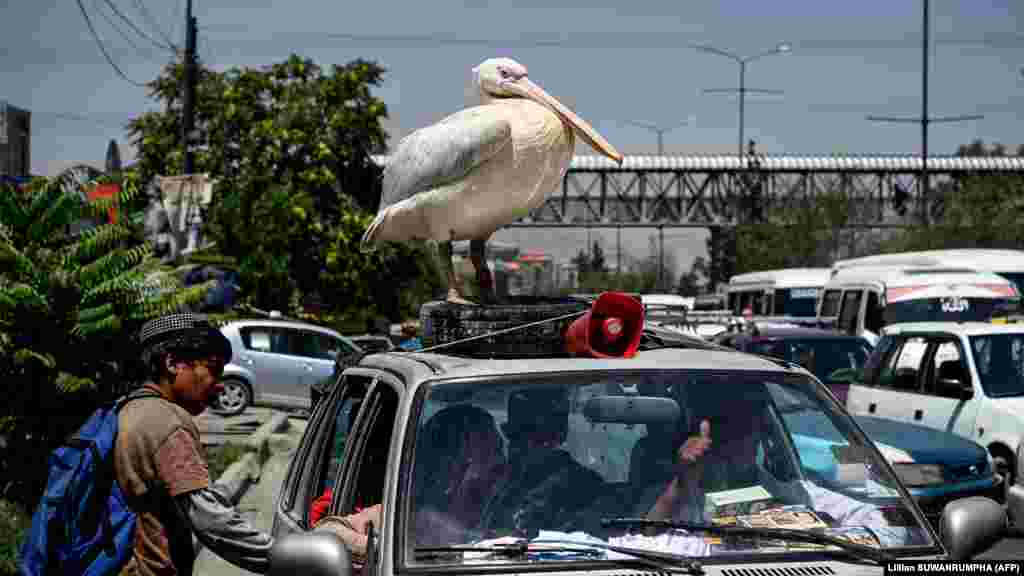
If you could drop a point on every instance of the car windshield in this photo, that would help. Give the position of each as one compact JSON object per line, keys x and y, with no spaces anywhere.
{"x":1000,"y":362}
{"x":824,"y":357}
{"x":799,"y":302}
{"x":552,"y":457}
{"x":949,"y":309}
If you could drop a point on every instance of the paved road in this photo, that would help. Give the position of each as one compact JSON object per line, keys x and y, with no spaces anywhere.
{"x":258,"y":502}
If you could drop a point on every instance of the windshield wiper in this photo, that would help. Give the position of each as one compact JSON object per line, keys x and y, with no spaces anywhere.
{"x":658,"y":560}
{"x":856,"y":551}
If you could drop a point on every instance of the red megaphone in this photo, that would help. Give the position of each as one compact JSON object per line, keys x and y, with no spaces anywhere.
{"x":610,"y":329}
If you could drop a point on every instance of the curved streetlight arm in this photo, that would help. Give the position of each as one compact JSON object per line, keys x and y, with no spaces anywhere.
{"x":784,"y":49}
{"x":713,"y":50}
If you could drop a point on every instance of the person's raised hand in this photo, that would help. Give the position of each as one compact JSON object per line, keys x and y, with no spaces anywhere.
{"x":696,"y":446}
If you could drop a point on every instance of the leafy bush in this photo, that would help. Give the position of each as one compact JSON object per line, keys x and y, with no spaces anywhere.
{"x":14,"y":523}
{"x":74,"y":287}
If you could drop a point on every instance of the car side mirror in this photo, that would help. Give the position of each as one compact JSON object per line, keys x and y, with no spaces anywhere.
{"x":968,"y":526}
{"x":962,"y":390}
{"x":310,"y":553}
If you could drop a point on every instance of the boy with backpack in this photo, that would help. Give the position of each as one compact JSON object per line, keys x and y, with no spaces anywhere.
{"x":126,"y":493}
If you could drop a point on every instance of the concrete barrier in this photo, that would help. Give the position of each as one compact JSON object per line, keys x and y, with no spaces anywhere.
{"x":246,"y":471}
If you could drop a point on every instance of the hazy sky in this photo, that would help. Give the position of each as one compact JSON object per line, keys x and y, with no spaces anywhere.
{"x":612,"y":61}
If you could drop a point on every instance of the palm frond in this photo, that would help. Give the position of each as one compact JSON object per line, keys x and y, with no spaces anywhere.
{"x":63,"y":211}
{"x":168,"y":303}
{"x":95,"y":313}
{"x":93,"y":240}
{"x":69,"y":383}
{"x":15,"y":262}
{"x":24,"y":355}
{"x":107,"y":268}
{"x":106,"y":324}
{"x":12,"y":214}
{"x":42,"y":199}
{"x":21,"y":295}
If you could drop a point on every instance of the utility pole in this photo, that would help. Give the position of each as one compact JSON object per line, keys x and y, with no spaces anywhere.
{"x":661,"y":257}
{"x":924,"y":120}
{"x":188,"y":100}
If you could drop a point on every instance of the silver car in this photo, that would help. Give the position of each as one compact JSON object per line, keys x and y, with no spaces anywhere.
{"x":275,"y":362}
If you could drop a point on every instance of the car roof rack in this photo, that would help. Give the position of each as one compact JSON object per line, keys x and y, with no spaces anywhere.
{"x":651,"y":339}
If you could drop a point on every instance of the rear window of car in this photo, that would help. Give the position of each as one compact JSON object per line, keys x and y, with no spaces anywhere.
{"x":822,"y":356}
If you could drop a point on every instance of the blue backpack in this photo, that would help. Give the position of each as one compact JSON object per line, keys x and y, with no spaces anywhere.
{"x":83,"y":524}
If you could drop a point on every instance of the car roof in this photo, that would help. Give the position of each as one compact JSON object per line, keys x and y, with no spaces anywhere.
{"x":894,"y":276}
{"x":781,"y":278}
{"x":281,"y":324}
{"x":420,"y":366}
{"x":800,"y":332}
{"x":962,"y":328}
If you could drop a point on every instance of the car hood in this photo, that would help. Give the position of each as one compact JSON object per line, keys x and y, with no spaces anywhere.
{"x":923,"y":445}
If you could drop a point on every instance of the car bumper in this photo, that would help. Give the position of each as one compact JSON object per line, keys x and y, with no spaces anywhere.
{"x":933,"y":500}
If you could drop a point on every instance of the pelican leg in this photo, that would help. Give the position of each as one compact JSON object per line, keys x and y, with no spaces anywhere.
{"x":477,"y":253}
{"x":450,"y":277}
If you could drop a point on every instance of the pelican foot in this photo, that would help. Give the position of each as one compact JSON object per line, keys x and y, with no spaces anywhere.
{"x":455,"y":298}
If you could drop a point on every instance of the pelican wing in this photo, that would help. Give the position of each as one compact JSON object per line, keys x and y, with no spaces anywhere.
{"x":444,"y":152}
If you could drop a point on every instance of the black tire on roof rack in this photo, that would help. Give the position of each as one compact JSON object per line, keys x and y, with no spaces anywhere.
{"x":443,"y":322}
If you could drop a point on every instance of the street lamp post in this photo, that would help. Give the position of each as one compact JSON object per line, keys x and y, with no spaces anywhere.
{"x":660,"y":131}
{"x":743,"y":61}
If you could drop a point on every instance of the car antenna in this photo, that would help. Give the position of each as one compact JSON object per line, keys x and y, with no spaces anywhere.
{"x":503,"y":331}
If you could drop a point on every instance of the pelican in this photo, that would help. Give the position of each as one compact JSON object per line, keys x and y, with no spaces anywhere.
{"x":480,"y":169}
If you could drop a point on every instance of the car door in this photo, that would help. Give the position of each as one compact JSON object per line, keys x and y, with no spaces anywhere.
{"x":267,"y":354}
{"x":895,"y":387}
{"x":944,"y":407}
{"x":321,"y":452}
{"x":318,"y":351}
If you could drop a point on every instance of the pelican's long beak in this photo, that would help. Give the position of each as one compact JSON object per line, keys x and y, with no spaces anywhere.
{"x":534,"y":92}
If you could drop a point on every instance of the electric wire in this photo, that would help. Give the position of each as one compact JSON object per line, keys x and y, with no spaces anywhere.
{"x":147,"y":54}
{"x":132,"y":25}
{"x":148,"y":17}
{"x":103,"y":49}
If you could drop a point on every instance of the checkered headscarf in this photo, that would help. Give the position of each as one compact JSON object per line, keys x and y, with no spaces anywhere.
{"x":183,"y":332}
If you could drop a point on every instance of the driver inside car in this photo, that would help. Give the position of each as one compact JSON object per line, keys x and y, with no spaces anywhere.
{"x":546,"y":488}
{"x":733,"y":447}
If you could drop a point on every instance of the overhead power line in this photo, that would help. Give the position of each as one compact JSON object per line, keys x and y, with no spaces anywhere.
{"x":138,"y":31}
{"x":81,"y":118}
{"x":103,"y":49}
{"x":607,"y":40}
{"x":148,"y":17}
{"x":145,"y":54}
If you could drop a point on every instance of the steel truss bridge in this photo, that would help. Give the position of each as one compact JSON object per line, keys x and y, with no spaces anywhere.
{"x":716,"y":191}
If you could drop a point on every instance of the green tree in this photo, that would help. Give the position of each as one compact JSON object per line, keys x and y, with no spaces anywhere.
{"x":973,"y":211}
{"x":71,"y":295}
{"x":290,"y":148}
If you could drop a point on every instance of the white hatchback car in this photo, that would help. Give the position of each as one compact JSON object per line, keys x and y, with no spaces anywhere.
{"x":276,"y":362}
{"x":967,"y":378}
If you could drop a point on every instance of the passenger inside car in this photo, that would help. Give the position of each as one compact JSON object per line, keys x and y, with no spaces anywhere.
{"x":736,"y":446}
{"x":461,"y":460}
{"x":546,"y":487}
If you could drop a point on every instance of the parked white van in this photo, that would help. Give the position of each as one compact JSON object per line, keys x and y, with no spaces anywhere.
{"x":861,"y":300}
{"x":966,"y":378}
{"x":1007,"y":263}
{"x":785,"y":292}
